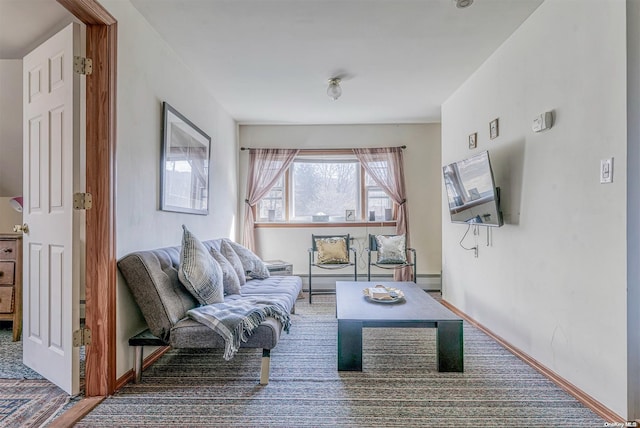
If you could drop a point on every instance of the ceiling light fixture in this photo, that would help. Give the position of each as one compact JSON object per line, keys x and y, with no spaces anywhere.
{"x":461,"y":4}
{"x":334,"y":90}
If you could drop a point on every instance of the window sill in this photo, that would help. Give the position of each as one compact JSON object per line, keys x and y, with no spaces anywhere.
{"x":276,"y":224}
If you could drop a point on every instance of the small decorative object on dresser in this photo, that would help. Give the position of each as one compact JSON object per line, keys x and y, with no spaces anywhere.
{"x":11,"y":281}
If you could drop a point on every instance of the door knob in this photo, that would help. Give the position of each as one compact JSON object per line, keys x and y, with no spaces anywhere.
{"x":21,"y":228}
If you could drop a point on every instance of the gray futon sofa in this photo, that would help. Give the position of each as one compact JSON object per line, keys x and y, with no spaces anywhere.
{"x":152,"y":277}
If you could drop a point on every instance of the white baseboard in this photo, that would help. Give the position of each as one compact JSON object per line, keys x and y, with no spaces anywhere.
{"x":428,"y":282}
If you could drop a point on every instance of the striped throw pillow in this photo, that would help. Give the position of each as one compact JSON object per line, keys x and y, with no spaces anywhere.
{"x":198,"y":271}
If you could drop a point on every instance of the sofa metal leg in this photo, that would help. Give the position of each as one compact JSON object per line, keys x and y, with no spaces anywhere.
{"x":137,"y":370}
{"x":264,"y":369}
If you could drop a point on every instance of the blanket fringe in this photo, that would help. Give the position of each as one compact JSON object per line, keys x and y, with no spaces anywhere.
{"x":247,"y":326}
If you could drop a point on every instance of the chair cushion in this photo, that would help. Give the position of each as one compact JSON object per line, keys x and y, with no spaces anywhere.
{"x":230,"y":280}
{"x":332,"y":250}
{"x":198,"y":270}
{"x":391,"y":249}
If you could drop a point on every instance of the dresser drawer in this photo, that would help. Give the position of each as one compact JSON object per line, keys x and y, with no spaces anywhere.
{"x":8,"y":250}
{"x":7,"y":270}
{"x":6,"y":300}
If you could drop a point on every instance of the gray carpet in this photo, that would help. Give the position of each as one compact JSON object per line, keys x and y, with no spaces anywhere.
{"x":398,"y":387}
{"x":11,"y":366}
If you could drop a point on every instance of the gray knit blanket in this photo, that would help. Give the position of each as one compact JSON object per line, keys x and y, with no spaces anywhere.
{"x":236,"y":320}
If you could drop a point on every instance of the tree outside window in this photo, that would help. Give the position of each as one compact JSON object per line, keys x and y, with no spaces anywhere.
{"x":327,"y":185}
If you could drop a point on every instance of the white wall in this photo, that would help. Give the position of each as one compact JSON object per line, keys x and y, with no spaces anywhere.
{"x":149,"y":72}
{"x":10,"y":127}
{"x":422,"y":172}
{"x":633,"y":207}
{"x":8,"y":216}
{"x":554,"y":282}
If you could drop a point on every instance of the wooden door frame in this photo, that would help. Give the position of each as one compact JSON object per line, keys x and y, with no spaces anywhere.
{"x":100,"y":277}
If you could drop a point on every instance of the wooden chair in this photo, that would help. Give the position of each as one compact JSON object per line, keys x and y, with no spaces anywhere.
{"x":316,"y":257}
{"x":409,"y":258}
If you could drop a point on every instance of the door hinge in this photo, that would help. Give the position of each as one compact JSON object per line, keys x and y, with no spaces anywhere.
{"x":82,"y":65}
{"x":81,"y":337}
{"x":82,"y":201}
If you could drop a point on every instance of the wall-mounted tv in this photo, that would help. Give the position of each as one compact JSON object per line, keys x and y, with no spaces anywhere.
{"x":471,"y":191}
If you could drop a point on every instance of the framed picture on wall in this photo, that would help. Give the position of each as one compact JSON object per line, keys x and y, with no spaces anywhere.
{"x":184,"y":165}
{"x":493,"y":129}
{"x":473,"y":140}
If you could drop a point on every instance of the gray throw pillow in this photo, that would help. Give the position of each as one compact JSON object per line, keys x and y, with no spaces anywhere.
{"x":198,"y":271}
{"x":391,"y":249}
{"x":252,"y":264}
{"x":236,"y":263}
{"x":229,"y":276}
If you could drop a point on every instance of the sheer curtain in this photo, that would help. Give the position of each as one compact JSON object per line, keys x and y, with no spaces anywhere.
{"x":386,"y":168}
{"x":266,"y":166}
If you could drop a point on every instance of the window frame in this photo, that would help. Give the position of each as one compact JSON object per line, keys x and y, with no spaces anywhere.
{"x":361,"y":211}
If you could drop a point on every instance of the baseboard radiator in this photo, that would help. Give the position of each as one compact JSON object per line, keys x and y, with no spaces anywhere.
{"x":327,"y":282}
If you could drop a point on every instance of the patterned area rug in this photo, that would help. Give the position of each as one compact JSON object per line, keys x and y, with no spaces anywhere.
{"x":26,"y":398}
{"x":11,"y":366}
{"x":29,"y":403}
{"x":399,"y":386}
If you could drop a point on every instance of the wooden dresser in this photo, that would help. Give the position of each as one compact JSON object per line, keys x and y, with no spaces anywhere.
{"x":11,"y":281}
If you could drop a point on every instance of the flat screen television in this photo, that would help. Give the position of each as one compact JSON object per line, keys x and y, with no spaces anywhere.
{"x":471,"y":192}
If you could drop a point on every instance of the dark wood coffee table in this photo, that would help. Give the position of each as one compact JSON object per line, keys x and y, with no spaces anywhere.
{"x":355,"y":312}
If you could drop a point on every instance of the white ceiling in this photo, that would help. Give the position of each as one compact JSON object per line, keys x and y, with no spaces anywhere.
{"x":269,"y":61}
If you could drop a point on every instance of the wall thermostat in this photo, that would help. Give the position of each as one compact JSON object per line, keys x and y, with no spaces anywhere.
{"x":542,"y":121}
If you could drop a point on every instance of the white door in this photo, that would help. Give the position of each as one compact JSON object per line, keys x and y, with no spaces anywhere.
{"x":51,"y":175}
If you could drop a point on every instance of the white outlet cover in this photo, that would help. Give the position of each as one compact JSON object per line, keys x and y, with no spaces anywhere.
{"x":606,"y":170}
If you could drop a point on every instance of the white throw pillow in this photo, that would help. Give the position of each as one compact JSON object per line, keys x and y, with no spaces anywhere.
{"x":391,"y":249}
{"x":198,"y":271}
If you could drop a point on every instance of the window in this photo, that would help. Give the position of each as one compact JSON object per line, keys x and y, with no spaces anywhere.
{"x":272,"y":206}
{"x":377,"y":200}
{"x":322,"y":188}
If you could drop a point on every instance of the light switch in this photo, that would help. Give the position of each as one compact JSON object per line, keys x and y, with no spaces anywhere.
{"x":606,"y":170}
{"x":542,"y":121}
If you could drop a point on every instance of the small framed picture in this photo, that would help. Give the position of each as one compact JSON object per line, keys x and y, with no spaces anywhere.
{"x":493,"y":129}
{"x":350,"y":215}
{"x":473,"y":140}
